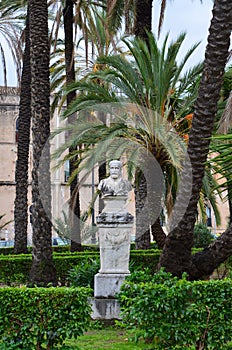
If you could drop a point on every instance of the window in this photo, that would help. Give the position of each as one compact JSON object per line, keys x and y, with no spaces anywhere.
{"x":209,"y":216}
{"x":16,"y":130}
{"x":66,"y":171}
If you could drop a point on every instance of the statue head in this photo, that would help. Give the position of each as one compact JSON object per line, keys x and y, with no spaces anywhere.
{"x":115,"y":169}
{"x":114,"y":185}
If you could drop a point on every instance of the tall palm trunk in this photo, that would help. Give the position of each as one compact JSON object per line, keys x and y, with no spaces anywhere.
{"x":229,"y":191}
{"x":70,"y":77}
{"x":42,"y":270}
{"x":158,"y":234}
{"x":176,"y":255}
{"x":21,"y":175}
{"x":148,"y":199}
{"x":143,"y":18}
{"x":142,"y":239}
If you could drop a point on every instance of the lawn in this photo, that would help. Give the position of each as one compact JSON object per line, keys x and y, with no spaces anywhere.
{"x":107,"y":338}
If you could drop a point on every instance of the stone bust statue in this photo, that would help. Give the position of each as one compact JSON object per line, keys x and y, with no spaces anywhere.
{"x":114,"y":185}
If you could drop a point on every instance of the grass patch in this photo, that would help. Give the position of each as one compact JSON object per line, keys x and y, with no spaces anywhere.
{"x":107,"y":338}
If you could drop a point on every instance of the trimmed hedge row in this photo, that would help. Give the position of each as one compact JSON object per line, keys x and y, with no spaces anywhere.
{"x":66,"y":248}
{"x":16,"y":268}
{"x":178,"y":314}
{"x":56,"y":249}
{"x":31,"y":318}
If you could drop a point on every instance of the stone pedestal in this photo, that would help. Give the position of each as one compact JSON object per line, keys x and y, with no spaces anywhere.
{"x":106,"y":285}
{"x":115,"y":225}
{"x":105,"y":309}
{"x":114,"y":241}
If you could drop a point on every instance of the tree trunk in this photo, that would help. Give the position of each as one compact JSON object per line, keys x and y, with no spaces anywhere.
{"x":143,"y":21}
{"x":142,"y":239}
{"x":143,"y":18}
{"x":204,"y":263}
{"x":70,"y":77}
{"x":158,"y":234}
{"x":176,"y":256}
{"x":21,"y":174}
{"x":101,"y":166}
{"x":42,"y":271}
{"x":229,"y":190}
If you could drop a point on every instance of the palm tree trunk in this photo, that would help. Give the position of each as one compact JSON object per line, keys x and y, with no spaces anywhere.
{"x":101,"y":167}
{"x":142,"y":239}
{"x":70,"y":77}
{"x":158,"y":234}
{"x":42,"y":270}
{"x":176,"y":255}
{"x":229,"y":191}
{"x":21,"y":175}
{"x":143,"y":18}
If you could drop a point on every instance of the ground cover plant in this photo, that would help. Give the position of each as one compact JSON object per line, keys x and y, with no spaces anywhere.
{"x":112,"y":337}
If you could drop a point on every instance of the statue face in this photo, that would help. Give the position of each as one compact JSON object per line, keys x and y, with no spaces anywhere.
{"x":115,"y":171}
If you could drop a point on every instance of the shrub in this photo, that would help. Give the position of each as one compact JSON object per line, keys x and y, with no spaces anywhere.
{"x":202,"y":236}
{"x":31,"y":318}
{"x":178,"y":314}
{"x":83,"y":274}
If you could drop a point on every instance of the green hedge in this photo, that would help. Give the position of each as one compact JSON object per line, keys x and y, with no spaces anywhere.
{"x":57,"y":249}
{"x":31,"y":318}
{"x":14,"y":269}
{"x":178,"y":314}
{"x":66,"y":248}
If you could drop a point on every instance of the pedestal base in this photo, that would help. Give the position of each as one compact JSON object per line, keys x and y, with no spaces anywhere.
{"x":108,"y":284}
{"x":105,"y":309}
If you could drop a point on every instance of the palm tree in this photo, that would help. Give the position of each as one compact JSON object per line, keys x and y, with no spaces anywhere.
{"x":21,"y":173}
{"x":152,"y":80}
{"x":15,"y":12}
{"x":100,"y":27}
{"x":42,"y":270}
{"x":70,"y":77}
{"x":176,"y":256}
{"x":69,"y":21}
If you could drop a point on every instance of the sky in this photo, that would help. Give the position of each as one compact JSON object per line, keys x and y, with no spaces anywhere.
{"x":190,"y":16}
{"x":181,"y":15}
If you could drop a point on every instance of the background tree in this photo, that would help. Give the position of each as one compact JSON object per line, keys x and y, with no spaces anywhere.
{"x":42,"y":270}
{"x":70,"y":78}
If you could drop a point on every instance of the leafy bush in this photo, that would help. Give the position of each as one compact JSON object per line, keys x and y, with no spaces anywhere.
{"x":31,"y":318}
{"x":83,"y":274}
{"x":15,"y":269}
{"x":202,"y":236}
{"x":178,"y":314}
